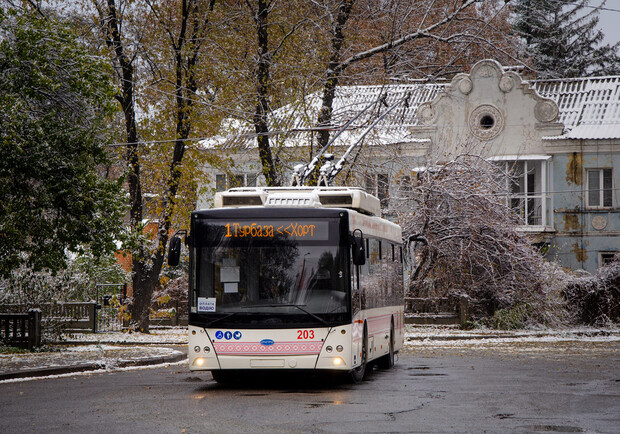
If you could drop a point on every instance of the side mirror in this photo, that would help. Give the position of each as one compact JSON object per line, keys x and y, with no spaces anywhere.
{"x":358,"y":248}
{"x":174,"y":251}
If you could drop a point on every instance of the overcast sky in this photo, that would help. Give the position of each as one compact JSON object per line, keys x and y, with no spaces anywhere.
{"x":609,"y":20}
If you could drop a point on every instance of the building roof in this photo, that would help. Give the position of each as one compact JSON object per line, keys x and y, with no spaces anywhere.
{"x":294,"y":123}
{"x":589,"y":107}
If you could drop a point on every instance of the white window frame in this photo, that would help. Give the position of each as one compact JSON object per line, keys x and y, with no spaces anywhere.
{"x":546,"y":200}
{"x":246,"y":178}
{"x":601,"y":188}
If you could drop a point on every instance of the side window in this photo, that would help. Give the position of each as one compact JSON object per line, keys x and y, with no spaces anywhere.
{"x":220,"y":182}
{"x":223,"y":182}
{"x":605,"y":258}
{"x":380,"y":279}
{"x":383,"y":189}
{"x":365,"y":281}
{"x":600,"y":188}
{"x":375,"y":255}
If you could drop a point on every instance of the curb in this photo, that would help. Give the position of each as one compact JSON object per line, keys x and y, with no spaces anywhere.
{"x":121,"y":343}
{"x":512,"y":336}
{"x":456,"y":337}
{"x":86,"y":367}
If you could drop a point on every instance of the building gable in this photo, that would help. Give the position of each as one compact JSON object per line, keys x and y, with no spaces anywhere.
{"x":491,"y":108}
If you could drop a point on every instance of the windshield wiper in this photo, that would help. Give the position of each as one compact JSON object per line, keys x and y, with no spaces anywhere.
{"x":221,"y":319}
{"x":318,"y":318}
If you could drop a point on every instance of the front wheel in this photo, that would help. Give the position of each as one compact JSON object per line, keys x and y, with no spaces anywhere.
{"x":223,"y":377}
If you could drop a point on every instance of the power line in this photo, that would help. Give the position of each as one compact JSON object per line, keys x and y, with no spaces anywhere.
{"x":233,"y":136}
{"x":602,"y":8}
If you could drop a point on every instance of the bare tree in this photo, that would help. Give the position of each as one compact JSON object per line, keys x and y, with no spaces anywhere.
{"x":362,"y":42}
{"x":430,"y":27}
{"x":313,"y":46}
{"x":268,"y":66}
{"x":184,"y":24}
{"x":465,"y":238}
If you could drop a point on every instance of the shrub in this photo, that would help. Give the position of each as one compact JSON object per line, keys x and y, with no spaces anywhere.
{"x":595,"y":300}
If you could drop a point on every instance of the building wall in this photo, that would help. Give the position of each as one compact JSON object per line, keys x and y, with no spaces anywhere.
{"x":457,"y":119}
{"x":522,"y":122}
{"x":584,"y":233}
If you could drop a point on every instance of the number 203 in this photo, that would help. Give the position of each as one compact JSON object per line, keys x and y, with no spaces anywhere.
{"x":305,"y":334}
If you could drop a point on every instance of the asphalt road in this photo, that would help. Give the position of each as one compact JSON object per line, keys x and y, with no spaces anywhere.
{"x":438,"y":390}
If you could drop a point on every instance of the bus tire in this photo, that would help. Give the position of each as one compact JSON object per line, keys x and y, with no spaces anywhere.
{"x":223,"y":377}
{"x":387,"y":361}
{"x":358,"y":374}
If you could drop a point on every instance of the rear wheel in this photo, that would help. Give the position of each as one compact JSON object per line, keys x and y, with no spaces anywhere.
{"x":357,"y":374}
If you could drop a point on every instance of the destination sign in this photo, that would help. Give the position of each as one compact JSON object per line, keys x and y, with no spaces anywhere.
{"x":292,"y":229}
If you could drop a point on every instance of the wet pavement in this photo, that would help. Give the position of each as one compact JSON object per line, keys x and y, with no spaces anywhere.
{"x":112,"y":351}
{"x":432,"y":389}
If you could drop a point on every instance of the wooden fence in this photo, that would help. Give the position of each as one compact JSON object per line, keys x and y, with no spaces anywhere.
{"x":69,"y":316}
{"x":74,"y":316}
{"x":21,"y":330}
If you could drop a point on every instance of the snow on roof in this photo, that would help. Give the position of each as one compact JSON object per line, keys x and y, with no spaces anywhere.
{"x":294,"y":123}
{"x":589,"y":107}
{"x":350,"y":100}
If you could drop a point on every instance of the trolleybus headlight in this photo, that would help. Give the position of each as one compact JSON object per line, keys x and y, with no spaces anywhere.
{"x":207,"y":349}
{"x":200,"y":361}
{"x":197,"y":348}
{"x":329,"y":349}
{"x":338,"y":361}
{"x":339,"y":348}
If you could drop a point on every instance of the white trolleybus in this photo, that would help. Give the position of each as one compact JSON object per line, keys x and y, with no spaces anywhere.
{"x":297,"y":278}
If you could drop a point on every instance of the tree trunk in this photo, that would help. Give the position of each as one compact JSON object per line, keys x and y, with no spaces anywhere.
{"x":141,"y":280}
{"x":126,"y":99}
{"x":261,"y":125}
{"x":147,"y":262}
{"x":333,"y":72}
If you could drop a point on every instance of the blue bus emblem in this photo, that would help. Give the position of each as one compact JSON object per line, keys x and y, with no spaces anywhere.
{"x":267,"y":342}
{"x":228,"y":335}
{"x":237,"y":335}
{"x":219,"y":334}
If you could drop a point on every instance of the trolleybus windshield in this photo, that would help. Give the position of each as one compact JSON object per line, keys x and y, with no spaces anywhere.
{"x":270,"y":272}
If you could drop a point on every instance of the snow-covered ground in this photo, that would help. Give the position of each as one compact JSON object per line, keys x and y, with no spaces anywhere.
{"x":110,"y":351}
{"x":421,"y":333}
{"x":170,"y":336}
{"x":554,"y":344}
{"x":414,"y":335}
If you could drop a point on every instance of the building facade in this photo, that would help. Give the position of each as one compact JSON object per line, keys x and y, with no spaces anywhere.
{"x":559,"y":138}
